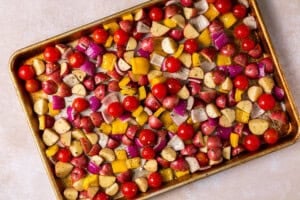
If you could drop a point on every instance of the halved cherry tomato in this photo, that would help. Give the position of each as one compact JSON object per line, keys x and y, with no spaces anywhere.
{"x":185,"y":131}
{"x":241,"y":82}
{"x":80,"y":104}
{"x":100,"y":36}
{"x":173,"y":85}
{"x":147,"y":137}
{"x":76,"y":59}
{"x":148,"y":153}
{"x":172,"y":64}
{"x":156,"y":14}
{"x":26,"y":72}
{"x":130,"y":103}
{"x":115,"y":109}
{"x":251,"y":142}
{"x":129,"y":189}
{"x":266,"y":102}
{"x":155,"y":180}
{"x":271,"y":136}
{"x":159,"y":90}
{"x":64,"y":155}
{"x":121,"y":37}
{"x":32,"y":85}
{"x":51,"y":54}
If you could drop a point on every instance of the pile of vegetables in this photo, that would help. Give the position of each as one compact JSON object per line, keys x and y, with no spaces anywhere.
{"x":153,"y":96}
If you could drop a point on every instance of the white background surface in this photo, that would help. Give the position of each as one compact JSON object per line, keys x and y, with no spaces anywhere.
{"x":22,"y":176}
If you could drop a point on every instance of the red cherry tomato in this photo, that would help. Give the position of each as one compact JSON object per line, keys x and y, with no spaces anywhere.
{"x":130,"y":103}
{"x":156,"y":14}
{"x":251,"y":142}
{"x":173,"y":85}
{"x":76,"y":59}
{"x":241,"y":31}
{"x":248,"y":44}
{"x":26,"y":72}
{"x":239,"y":11}
{"x":159,"y":90}
{"x":129,"y":189}
{"x":271,"y":136}
{"x":191,"y":46}
{"x":155,"y":180}
{"x":64,"y":155}
{"x":172,"y":64}
{"x":147,"y":137}
{"x":148,"y":153}
{"x":101,"y":196}
{"x":223,"y":6}
{"x":121,"y":37}
{"x":80,"y":104}
{"x":100,"y":36}
{"x":115,"y":109}
{"x":185,"y":131}
{"x":51,"y":54}
{"x":241,"y":82}
{"x":266,"y":102}
{"x":32,"y":85}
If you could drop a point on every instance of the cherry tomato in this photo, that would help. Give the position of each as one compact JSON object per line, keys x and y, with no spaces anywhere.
{"x":26,"y":72}
{"x":148,"y":153}
{"x":159,"y":90}
{"x":129,"y":189}
{"x":241,"y":31}
{"x":115,"y":109}
{"x":223,"y":6}
{"x":121,"y":37}
{"x":271,"y":136}
{"x":76,"y":59}
{"x":251,"y":142}
{"x":266,"y":102}
{"x":185,"y":131}
{"x":191,"y":46}
{"x":64,"y":155}
{"x":51,"y":54}
{"x":155,"y":180}
{"x":32,"y":85}
{"x":156,"y":14}
{"x":130,"y":103}
{"x":241,"y":82}
{"x":100,"y":36}
{"x":147,"y":137}
{"x":173,"y":85}
{"x":172,"y":64}
{"x":101,"y":196}
{"x":239,"y":11}
{"x":80,"y":104}
{"x":248,"y":44}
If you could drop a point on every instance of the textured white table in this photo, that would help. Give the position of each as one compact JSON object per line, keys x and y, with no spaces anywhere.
{"x":22,"y":175}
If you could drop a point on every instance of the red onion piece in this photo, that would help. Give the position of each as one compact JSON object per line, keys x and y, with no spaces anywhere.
{"x":58,"y":102}
{"x":278,"y":93}
{"x":70,"y":114}
{"x":94,"y":103}
{"x":261,"y":70}
{"x":93,"y":168}
{"x":221,"y":41}
{"x":138,"y":143}
{"x":143,"y":53}
{"x":234,"y":70}
{"x":223,"y":132}
{"x":88,"y":67}
{"x":133,"y":151}
{"x":94,"y":50}
{"x":83,"y":44}
{"x":161,"y":144}
{"x":212,"y":121}
{"x":180,"y":108}
{"x":117,"y":137}
{"x":125,"y":116}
